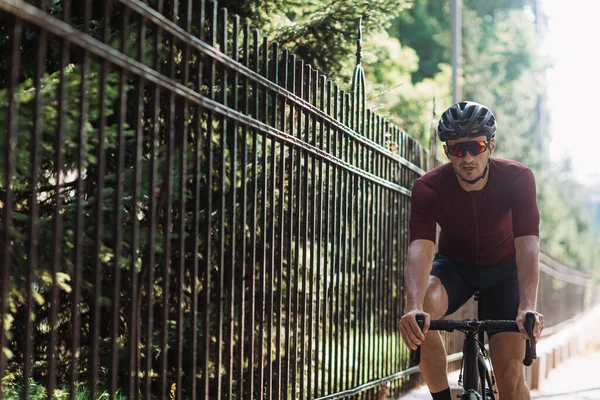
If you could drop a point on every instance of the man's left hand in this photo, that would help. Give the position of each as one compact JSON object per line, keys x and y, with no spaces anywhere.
{"x":537,"y":326}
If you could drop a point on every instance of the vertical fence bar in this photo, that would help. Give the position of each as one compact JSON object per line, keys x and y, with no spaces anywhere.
{"x":281,"y":114}
{"x":298,"y":91}
{"x":189,"y":124}
{"x":343,"y":151}
{"x":328,"y":298}
{"x":362,"y":206}
{"x":366,"y":254}
{"x":342,"y":243}
{"x":153,"y":220}
{"x":347,"y":242}
{"x":385,"y":257}
{"x":364,"y":377}
{"x":116,"y":293}
{"x":79,"y":239}
{"x":33,"y":242}
{"x":384,"y":264}
{"x":244,"y":218}
{"x":376,"y":265}
{"x":254,"y":240}
{"x":321,"y":253}
{"x":183,"y":133}
{"x":405,"y":206}
{"x":208,"y":223}
{"x":196,"y":227}
{"x":137,"y":182}
{"x":232,"y":138}
{"x":10,"y":142}
{"x":100,"y":183}
{"x":267,"y":232}
{"x":397,"y":235}
{"x":355,"y":250}
{"x":335,"y":291}
{"x":372,"y":346}
{"x":381,"y":258}
{"x":314,"y":297}
{"x":377,"y":261}
{"x":173,"y":218}
{"x":222,"y":193}
{"x":392,"y":239}
{"x":261,"y":115}
{"x":305,"y":84}
{"x":273,"y":228}
{"x":347,"y":229}
{"x":290,"y":81}
{"x":354,"y":257}
{"x":335,"y":304}
{"x":389,"y":275}
{"x":167,"y":222}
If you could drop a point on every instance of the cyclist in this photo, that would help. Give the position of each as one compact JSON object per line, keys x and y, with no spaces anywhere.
{"x":489,"y":240}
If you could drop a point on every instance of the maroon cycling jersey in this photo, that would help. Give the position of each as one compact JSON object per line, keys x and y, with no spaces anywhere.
{"x":477,"y":227}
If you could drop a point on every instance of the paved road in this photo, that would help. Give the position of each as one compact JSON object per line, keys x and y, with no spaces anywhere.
{"x":578,"y":378}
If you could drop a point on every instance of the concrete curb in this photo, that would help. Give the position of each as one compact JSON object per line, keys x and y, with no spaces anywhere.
{"x":570,"y":341}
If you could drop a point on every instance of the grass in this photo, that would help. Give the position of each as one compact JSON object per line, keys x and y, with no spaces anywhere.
{"x":13,"y":390}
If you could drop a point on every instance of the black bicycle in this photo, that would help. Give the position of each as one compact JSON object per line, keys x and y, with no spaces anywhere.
{"x":478,"y":380}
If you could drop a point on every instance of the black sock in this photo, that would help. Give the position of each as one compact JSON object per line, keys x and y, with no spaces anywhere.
{"x":443,"y":395}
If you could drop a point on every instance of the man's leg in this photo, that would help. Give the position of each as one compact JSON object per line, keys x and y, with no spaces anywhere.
{"x":507,"y":350}
{"x":433,"y":354}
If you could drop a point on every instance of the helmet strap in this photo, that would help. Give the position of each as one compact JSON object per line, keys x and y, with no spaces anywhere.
{"x":474,"y":181}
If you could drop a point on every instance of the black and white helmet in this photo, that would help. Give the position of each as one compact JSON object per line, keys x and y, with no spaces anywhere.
{"x":466,"y":119}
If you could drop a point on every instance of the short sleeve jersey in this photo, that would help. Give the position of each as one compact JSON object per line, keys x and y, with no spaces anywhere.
{"x":477,"y":227}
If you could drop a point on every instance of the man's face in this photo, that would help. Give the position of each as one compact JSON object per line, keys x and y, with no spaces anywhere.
{"x":470,"y":167}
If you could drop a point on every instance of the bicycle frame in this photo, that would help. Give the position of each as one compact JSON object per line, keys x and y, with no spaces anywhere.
{"x":476,"y":376}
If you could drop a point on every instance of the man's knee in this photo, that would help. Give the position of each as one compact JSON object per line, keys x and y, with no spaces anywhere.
{"x":509,"y":370}
{"x":507,"y":352}
{"x":510,"y":379}
{"x":436,"y":298}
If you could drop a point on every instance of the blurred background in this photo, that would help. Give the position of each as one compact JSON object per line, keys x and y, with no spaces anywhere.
{"x":530,"y":61}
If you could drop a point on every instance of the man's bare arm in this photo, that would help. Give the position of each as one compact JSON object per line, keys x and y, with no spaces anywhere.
{"x":527,"y":253}
{"x":416,"y":277}
{"x":416,"y":273}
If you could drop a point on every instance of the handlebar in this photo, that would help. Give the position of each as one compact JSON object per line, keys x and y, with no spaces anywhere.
{"x":415,"y":355}
{"x":473,"y":326}
{"x":530,"y":348}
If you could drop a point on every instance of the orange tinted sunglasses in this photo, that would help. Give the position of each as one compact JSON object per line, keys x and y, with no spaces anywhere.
{"x":460,"y":149}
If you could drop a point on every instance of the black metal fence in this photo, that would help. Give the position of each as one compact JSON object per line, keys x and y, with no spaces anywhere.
{"x":189,"y":211}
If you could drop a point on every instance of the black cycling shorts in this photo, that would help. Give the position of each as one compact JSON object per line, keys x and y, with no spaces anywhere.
{"x":498,"y":284}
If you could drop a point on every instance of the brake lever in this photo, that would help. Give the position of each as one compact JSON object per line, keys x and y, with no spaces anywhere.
{"x":415,"y":355}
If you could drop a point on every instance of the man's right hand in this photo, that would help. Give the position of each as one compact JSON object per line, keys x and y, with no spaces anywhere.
{"x":412,"y":335}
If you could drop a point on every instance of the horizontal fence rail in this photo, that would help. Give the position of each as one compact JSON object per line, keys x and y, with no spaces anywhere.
{"x":189,"y":211}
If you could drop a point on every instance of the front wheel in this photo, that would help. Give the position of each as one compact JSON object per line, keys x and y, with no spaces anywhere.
{"x":485,"y":379}
{"x":471,"y":375}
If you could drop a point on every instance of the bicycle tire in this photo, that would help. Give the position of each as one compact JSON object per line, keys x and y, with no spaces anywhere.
{"x":485,"y":379}
{"x":471,"y":377}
